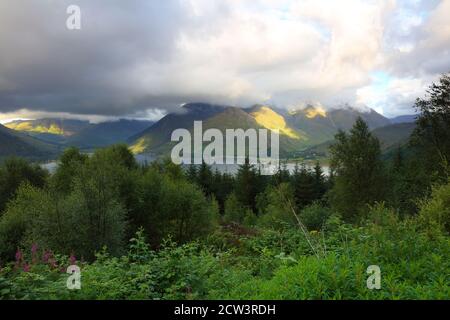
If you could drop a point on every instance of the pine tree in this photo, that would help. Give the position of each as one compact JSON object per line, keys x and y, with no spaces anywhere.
{"x":319,"y":182}
{"x":304,"y":186}
{"x":191,"y":173}
{"x":205,"y":179}
{"x":360,"y":180}
{"x":247,"y":185}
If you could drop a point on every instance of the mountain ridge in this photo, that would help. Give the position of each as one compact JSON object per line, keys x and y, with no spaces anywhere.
{"x":13,"y":143}
{"x":298,"y":130}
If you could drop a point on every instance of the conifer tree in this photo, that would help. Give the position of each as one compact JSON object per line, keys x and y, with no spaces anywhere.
{"x":360,"y":180}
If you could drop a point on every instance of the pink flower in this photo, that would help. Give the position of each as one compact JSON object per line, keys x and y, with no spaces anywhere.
{"x":72,"y":259}
{"x":19,"y":258}
{"x":19,"y":255}
{"x":34,"y":249}
{"x":26,"y":267}
{"x":47,"y":256}
{"x":49,"y":259}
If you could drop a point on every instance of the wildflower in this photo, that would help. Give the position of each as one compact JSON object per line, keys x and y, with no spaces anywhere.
{"x":26,"y":267}
{"x":49,"y":259}
{"x":19,"y":258}
{"x":46,"y":257}
{"x":34,"y":249}
{"x":72,"y":259}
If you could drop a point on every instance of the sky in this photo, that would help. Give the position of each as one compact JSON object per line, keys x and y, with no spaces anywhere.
{"x":143,"y":59}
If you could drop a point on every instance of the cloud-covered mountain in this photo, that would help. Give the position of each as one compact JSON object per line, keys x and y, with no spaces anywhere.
{"x":82,"y":134}
{"x":299,"y":129}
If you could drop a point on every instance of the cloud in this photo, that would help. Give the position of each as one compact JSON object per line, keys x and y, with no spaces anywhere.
{"x":136,"y":58}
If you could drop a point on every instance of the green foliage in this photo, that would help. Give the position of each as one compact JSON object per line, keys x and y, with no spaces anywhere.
{"x":234,"y":211}
{"x":276,"y":210}
{"x":15,"y":172}
{"x":434,"y":214}
{"x":308,"y":186}
{"x":360,"y":179}
{"x":67,"y":224}
{"x":173,"y":207}
{"x":269,"y":264}
{"x":315,"y":216}
{"x":432,"y":134}
{"x":247,"y":185}
{"x":70,"y":163}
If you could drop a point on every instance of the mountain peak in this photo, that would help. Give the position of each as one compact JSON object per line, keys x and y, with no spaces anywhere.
{"x":200,"y":107}
{"x":310,"y":111}
{"x":269,"y":119}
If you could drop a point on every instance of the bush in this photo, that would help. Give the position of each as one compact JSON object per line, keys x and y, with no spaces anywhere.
{"x":280,"y":203}
{"x":173,"y":207}
{"x":15,"y":172}
{"x":434,"y":213}
{"x":67,"y":224}
{"x":315,"y":216}
{"x":234,"y":211}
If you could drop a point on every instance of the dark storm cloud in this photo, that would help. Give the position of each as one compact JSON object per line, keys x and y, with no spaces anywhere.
{"x":45,"y":66}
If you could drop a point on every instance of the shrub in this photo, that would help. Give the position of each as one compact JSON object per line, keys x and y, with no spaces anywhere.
{"x":234,"y":211}
{"x":314,"y":216}
{"x":280,"y":203}
{"x":434,"y":213}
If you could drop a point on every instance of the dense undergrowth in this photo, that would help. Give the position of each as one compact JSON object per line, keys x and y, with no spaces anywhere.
{"x":257,"y":263}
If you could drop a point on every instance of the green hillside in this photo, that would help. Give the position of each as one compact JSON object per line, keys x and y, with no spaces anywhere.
{"x":58,"y":127}
{"x":14,"y":143}
{"x":107,"y":133}
{"x":160,"y":133}
{"x":391,"y":137}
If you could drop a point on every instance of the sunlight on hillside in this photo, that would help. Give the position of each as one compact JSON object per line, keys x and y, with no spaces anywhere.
{"x":271,"y":120}
{"x":22,"y":126}
{"x":139,"y":146}
{"x":28,"y":126}
{"x":315,"y":111}
{"x":310,"y":112}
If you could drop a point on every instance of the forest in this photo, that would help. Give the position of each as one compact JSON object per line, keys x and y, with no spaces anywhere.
{"x":165,"y":231}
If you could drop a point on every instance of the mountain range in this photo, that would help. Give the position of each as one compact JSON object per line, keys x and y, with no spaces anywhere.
{"x":299,"y":129}
{"x":82,"y":134}
{"x":305,"y":132}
